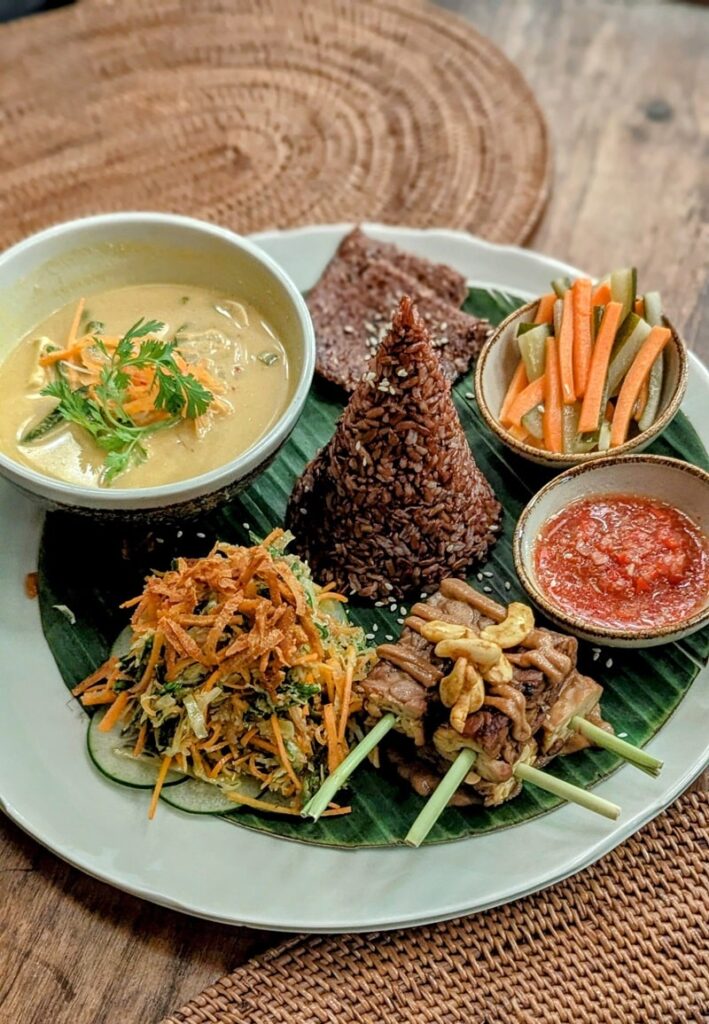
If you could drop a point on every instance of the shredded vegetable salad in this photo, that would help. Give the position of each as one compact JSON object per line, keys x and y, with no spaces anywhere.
{"x":241,"y":672}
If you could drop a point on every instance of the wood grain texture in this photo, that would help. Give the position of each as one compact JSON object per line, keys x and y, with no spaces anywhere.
{"x":620,"y":85}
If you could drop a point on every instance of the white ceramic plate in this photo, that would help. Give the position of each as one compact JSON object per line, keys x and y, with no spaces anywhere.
{"x":202,"y":866}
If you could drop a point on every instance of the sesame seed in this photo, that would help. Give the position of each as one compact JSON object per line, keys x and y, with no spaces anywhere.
{"x":596,"y":655}
{"x":596,"y":649}
{"x":400,"y":621}
{"x":488,"y":590}
{"x":388,"y":636}
{"x":508,"y":585}
{"x":201,"y":535}
{"x":378,"y":604}
{"x":480,"y":576}
{"x":401,"y":372}
{"x":444,"y":326}
{"x":160,"y":540}
{"x":369,"y":636}
{"x":247,"y":526}
{"x":388,"y":586}
{"x":609,"y":663}
{"x":469,"y":394}
{"x":489,"y":575}
{"x":402,"y":610}
{"x":348,"y":329}
{"x":179,"y":533}
{"x":622,"y":735}
{"x":424,"y":595}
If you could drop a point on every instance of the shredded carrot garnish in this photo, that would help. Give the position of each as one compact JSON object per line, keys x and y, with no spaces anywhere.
{"x":282,"y":753}
{"x":74,"y":329}
{"x":152,"y":662}
{"x":333,"y":746}
{"x":101,"y":673}
{"x":260,"y":805}
{"x":140,"y":741}
{"x":234,"y":631}
{"x":346,"y":695}
{"x":114,"y":712}
{"x":162,"y":775}
{"x":94,"y":697}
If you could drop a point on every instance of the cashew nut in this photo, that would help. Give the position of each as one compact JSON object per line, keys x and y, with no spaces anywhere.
{"x":515,"y":628}
{"x":470,"y":699}
{"x":500,"y":673}
{"x":476,"y":649}
{"x":451,"y":685}
{"x":437,"y":630}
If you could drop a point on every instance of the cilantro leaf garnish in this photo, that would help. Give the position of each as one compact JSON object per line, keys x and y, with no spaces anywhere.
{"x":100,"y":409}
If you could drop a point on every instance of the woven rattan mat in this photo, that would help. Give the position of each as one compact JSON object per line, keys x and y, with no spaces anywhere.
{"x":625,"y":942}
{"x":266,"y":113}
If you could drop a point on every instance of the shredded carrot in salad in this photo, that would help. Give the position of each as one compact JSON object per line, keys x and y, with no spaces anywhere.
{"x":242,"y":672}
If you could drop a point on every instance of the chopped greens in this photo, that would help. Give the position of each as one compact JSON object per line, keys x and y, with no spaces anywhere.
{"x":101,"y":409}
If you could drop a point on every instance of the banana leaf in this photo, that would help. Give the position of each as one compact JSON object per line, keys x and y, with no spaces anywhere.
{"x":91,"y":569}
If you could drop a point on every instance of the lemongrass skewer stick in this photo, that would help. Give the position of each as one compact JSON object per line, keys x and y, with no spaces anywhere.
{"x":566,"y":790}
{"x":336,"y":780}
{"x":601,"y":738}
{"x":438,"y":801}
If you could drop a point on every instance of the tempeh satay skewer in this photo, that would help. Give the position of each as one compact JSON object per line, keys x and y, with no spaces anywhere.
{"x":632,"y":754}
{"x":527,"y":636}
{"x":437,"y":803}
{"x":599,"y":737}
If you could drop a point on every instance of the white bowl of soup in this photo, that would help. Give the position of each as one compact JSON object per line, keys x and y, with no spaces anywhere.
{"x":147,"y":361}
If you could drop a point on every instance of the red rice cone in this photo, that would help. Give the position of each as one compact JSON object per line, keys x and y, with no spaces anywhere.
{"x":395,"y":502}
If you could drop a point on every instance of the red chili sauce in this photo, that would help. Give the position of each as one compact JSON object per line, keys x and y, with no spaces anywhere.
{"x":623,"y":561}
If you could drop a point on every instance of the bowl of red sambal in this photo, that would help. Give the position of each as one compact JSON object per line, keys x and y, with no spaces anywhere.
{"x":617,"y":551}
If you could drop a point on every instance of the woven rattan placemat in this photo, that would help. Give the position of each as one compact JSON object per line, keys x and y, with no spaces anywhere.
{"x":625,"y":942}
{"x":266,"y":113}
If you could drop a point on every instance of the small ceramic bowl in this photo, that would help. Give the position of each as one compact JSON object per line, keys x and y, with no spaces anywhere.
{"x":496,"y":365}
{"x":651,"y":476}
{"x":49,"y":269}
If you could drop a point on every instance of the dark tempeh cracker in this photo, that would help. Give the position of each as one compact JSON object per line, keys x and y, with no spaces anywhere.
{"x":352,"y":303}
{"x":359,"y":250}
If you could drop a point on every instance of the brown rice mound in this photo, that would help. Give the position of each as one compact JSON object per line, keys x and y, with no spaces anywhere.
{"x":395,"y":502}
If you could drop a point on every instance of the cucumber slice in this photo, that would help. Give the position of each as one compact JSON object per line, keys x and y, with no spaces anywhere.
{"x":523,"y":328}
{"x":532,"y":348}
{"x":653,"y":308}
{"x":197,"y":797}
{"x":557,"y":317}
{"x":533,"y":422}
{"x":624,"y":284}
{"x":654,"y":392}
{"x":633,"y":332}
{"x":121,"y":645}
{"x":575,"y":443}
{"x":45,"y":426}
{"x":116,"y":763}
{"x":561,"y":285}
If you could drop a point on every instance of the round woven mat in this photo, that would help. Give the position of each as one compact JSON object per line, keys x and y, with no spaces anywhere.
{"x":625,"y":942}
{"x":267,"y":113}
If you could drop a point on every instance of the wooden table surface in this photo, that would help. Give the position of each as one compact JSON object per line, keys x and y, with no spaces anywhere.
{"x":620,"y":85}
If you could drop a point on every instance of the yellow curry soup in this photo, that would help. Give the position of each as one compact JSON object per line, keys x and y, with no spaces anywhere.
{"x":219,"y":346}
